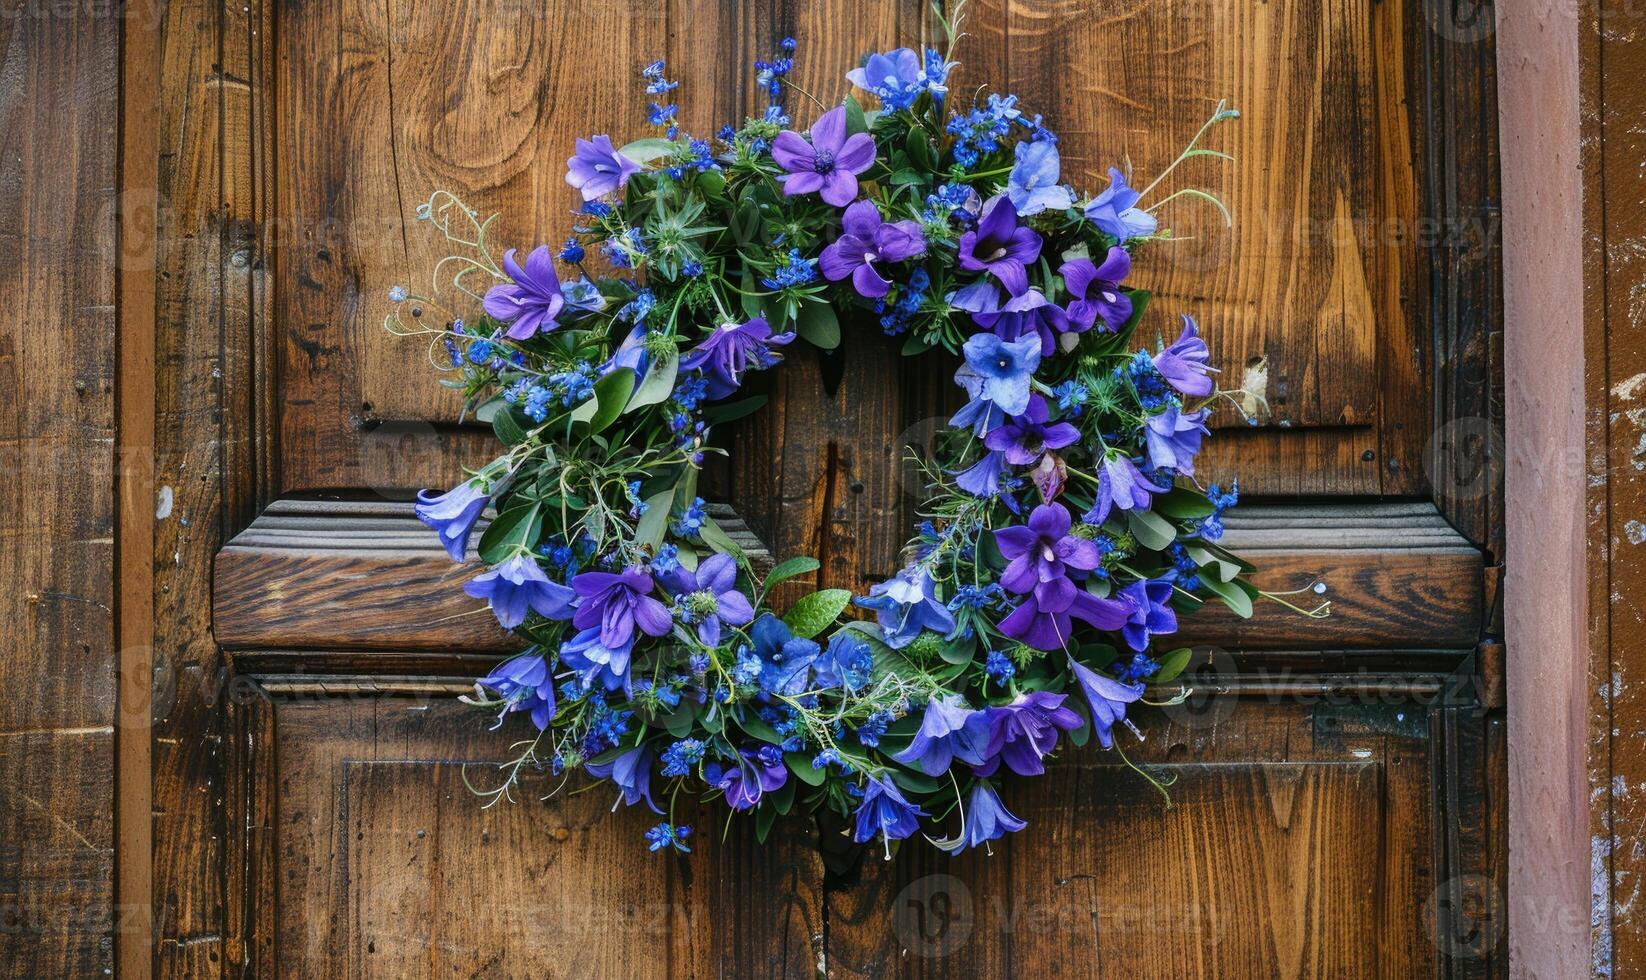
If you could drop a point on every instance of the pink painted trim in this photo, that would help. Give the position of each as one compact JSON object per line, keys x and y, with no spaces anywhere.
{"x":1546,"y":622}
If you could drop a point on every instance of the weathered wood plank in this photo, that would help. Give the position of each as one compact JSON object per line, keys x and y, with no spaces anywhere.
{"x":59,"y":104}
{"x":348,"y":575}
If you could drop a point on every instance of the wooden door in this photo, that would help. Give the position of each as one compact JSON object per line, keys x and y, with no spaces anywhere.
{"x":1338,"y":801}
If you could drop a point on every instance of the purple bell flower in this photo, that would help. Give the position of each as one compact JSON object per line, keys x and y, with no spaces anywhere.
{"x":532,"y":299}
{"x":1115,"y":213}
{"x":1173,"y":438}
{"x":519,"y":584}
{"x":896,"y":77}
{"x":1120,"y":484}
{"x":709,"y":596}
{"x":1025,"y":315}
{"x":1041,"y":559}
{"x":866,"y":240}
{"x":631,"y":773}
{"x":982,"y":479}
{"x":1096,"y":289}
{"x":949,"y":730}
{"x":828,"y":165}
{"x":452,"y":514}
{"x":1150,"y":613}
{"x":997,"y":375}
{"x":1183,"y":364}
{"x":1023,"y":733}
{"x":594,"y":661}
{"x":733,"y":348}
{"x":597,"y":169}
{"x":752,"y":776}
{"x":617,"y":603}
{"x":905,"y":606}
{"x":1033,"y":184}
{"x":1000,"y":246}
{"x":885,"y":812}
{"x":987,"y":819}
{"x":631,"y":354}
{"x":1108,"y":699}
{"x":524,"y":683}
{"x":1027,"y":437}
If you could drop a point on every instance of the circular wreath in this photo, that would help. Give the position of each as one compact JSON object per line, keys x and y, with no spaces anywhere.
{"x":1064,"y":533}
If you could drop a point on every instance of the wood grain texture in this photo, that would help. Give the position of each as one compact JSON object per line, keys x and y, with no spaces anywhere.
{"x":382,"y":851}
{"x":364,"y":576}
{"x":58,"y":237}
{"x":1612,"y":56}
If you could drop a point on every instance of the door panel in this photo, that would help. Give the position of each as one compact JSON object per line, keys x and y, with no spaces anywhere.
{"x":310,"y":776}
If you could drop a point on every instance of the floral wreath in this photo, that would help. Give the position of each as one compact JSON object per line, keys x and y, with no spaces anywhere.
{"x":1065,"y":531}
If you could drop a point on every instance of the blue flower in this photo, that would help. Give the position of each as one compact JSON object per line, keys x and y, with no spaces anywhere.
{"x":905,"y":605}
{"x":668,"y":835}
{"x":631,"y":773}
{"x":1115,"y":213}
{"x":997,"y":376}
{"x":999,"y":666}
{"x":679,"y":758}
{"x":750,"y":777}
{"x":1183,"y":364}
{"x":572,"y":252}
{"x":618,"y":603}
{"x":1151,"y":615}
{"x":1120,"y":484}
{"x":709,"y":596}
{"x":949,"y":730}
{"x":516,"y":585}
{"x":1173,"y":438}
{"x":785,"y":660}
{"x":1108,"y":699}
{"x":594,"y":660}
{"x":733,"y":348}
{"x":897,"y":78}
{"x":983,"y":478}
{"x":884,"y":811}
{"x":691,"y":522}
{"x":847,"y":664}
{"x":452,"y":514}
{"x":987,"y":819}
{"x":597,"y":168}
{"x":1033,"y":184}
{"x":1024,"y":732}
{"x":531,"y":300}
{"x":524,"y":684}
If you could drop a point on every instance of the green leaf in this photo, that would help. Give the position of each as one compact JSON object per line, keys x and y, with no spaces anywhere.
{"x":818,"y":323}
{"x":711,"y":183}
{"x":920,"y":151}
{"x":801,"y":766}
{"x":763,"y":820}
{"x":906,"y":177}
{"x":657,"y":385}
{"x":751,"y":723}
{"x":648,"y":149}
{"x":856,"y":121}
{"x":814,"y":613}
{"x":791,"y":568}
{"x":716,"y":537}
{"x":1172,"y":664}
{"x":506,"y":422}
{"x":1152,"y":531}
{"x":654,"y":523}
{"x":1233,"y":596}
{"x":611,"y":393}
{"x":515,"y":528}
{"x":914,"y":782}
{"x":732,"y":411}
{"x":679,"y":721}
{"x":1184,"y":504}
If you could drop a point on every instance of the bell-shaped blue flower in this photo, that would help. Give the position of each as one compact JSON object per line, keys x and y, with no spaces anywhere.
{"x":517,"y":585}
{"x":949,"y":730}
{"x":452,"y":514}
{"x":630,"y":772}
{"x":986,"y":819}
{"x":885,"y":812}
{"x":1108,"y":699}
{"x":905,"y":605}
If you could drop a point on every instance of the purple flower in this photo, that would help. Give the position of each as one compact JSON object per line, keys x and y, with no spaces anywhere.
{"x":1173,"y":438}
{"x":1033,"y":184}
{"x":987,"y":819}
{"x":865,"y":241}
{"x":1041,"y":558}
{"x":631,"y":773}
{"x":1114,"y":211}
{"x":516,"y":585}
{"x":848,"y":663}
{"x":1183,"y":364}
{"x":617,"y":603}
{"x":733,"y":348}
{"x":452,"y":514}
{"x":709,"y":596}
{"x":884,"y":811}
{"x":593,"y":660}
{"x":532,"y":300}
{"x":597,"y":168}
{"x":949,"y":730}
{"x":1000,"y":246}
{"x":631,"y":354}
{"x":1107,"y":697}
{"x":1023,"y":733}
{"x":1027,"y":314}
{"x":524,"y":684}
{"x":997,"y":376}
{"x":753,"y":775}
{"x":904,"y":605}
{"x":785,"y":659}
{"x":1120,"y":484}
{"x":1150,"y":614}
{"x":1026,"y":437}
{"x":896,"y":77}
{"x":829,"y":164}
{"x":1096,"y":289}
{"x":982,"y":479}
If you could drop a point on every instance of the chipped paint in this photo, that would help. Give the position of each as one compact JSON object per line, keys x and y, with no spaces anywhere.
{"x":162,"y":505}
{"x":1634,"y":531}
{"x":1626,"y":389}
